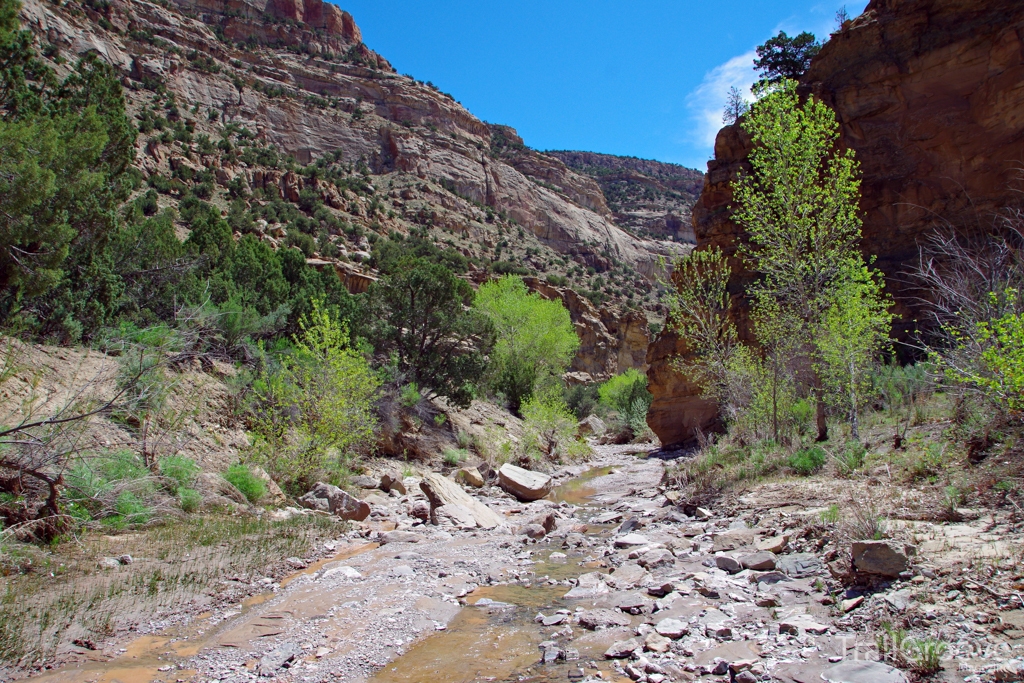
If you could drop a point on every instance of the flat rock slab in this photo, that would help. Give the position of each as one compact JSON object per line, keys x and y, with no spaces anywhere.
{"x":524,"y":484}
{"x":444,"y":492}
{"x":400,"y":537}
{"x":593,"y":619}
{"x":761,"y":561}
{"x":734,"y":539}
{"x":863,"y":672}
{"x":631,"y":541}
{"x":627,"y":575}
{"x":800,"y":565}
{"x":883,"y":558}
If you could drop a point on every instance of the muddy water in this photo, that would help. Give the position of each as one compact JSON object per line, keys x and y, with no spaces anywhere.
{"x":500,"y":642}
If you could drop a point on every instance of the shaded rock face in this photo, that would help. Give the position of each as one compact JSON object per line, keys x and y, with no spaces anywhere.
{"x":930,"y":96}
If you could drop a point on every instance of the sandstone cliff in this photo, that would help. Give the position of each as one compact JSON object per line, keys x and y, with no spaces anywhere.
{"x":286,"y":84}
{"x":648,"y":198}
{"x":930,"y":95}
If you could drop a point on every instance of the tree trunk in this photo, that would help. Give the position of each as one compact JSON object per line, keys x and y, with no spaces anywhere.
{"x":854,"y":426}
{"x":820,"y":420}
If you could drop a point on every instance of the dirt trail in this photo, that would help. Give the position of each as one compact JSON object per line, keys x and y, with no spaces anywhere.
{"x":626,"y":587}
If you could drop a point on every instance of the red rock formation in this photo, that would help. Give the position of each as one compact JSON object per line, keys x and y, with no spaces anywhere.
{"x":930,"y":95}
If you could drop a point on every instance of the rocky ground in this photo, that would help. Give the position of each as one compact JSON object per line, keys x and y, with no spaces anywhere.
{"x":612,"y":578}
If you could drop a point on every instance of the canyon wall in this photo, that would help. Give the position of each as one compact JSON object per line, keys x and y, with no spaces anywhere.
{"x":930,"y":96}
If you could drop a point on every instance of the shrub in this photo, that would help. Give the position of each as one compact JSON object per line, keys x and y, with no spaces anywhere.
{"x":312,"y":412}
{"x":582,"y":399}
{"x":410,"y":396}
{"x":627,"y":393}
{"x":851,"y":458}
{"x":535,"y":338}
{"x":242,"y":478}
{"x":189,"y":499}
{"x":183,"y":471}
{"x":129,"y":509}
{"x":454,"y":456}
{"x":549,"y":430}
{"x":808,"y":460}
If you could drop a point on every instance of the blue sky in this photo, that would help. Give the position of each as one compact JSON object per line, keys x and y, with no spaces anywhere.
{"x":646,"y":78}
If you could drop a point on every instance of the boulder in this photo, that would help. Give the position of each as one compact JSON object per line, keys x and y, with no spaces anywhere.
{"x":622,"y":649}
{"x":274,"y":495}
{"x":524,"y":484}
{"x":631,"y":541}
{"x":444,"y":492}
{"x":761,"y":561}
{"x":334,"y":500}
{"x":627,"y":575}
{"x":800,"y":565}
{"x":657,"y":643}
{"x":392,"y":480}
{"x":728,"y":564}
{"x":659,"y":557}
{"x":591,"y":425}
{"x":883,"y":558}
{"x":213,"y":485}
{"x":632,"y":602}
{"x":593,"y":619}
{"x":470,"y":476}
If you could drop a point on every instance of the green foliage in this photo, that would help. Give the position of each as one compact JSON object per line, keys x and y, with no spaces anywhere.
{"x":189,"y":500}
{"x":410,"y":395}
{"x":998,"y":354}
{"x":627,"y":393}
{"x":243,"y":479}
{"x":808,"y":460}
{"x":180,"y":469}
{"x":849,"y":338}
{"x":851,"y":458}
{"x":312,"y":413}
{"x":453,"y":457}
{"x":110,"y":487}
{"x":535,"y":338}
{"x":783,"y":58}
{"x":419,"y":322}
{"x":830,"y":515}
{"x":582,"y":399}
{"x":549,"y":430}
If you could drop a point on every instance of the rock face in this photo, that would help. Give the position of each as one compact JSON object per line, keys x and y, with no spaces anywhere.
{"x":524,"y":484}
{"x":649,"y":198}
{"x":928,"y":94}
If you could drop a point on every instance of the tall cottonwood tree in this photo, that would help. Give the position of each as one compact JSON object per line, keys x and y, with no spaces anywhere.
{"x":799,"y":209}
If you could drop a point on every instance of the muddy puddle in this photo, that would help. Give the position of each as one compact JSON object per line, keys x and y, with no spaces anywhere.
{"x":579,"y":490}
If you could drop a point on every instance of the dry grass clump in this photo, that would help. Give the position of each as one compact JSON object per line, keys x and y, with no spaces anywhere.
{"x":51,"y":598}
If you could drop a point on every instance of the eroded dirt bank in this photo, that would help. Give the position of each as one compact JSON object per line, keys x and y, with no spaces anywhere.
{"x":626,"y":585}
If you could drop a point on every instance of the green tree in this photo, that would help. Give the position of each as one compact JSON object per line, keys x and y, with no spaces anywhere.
{"x":627,"y":393}
{"x":799,"y":209}
{"x":535,"y":338}
{"x":783,"y":58}
{"x":851,"y":336}
{"x":313,"y":413}
{"x":419,"y":322}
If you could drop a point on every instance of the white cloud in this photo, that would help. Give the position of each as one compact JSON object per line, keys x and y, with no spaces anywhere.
{"x":707,"y":101}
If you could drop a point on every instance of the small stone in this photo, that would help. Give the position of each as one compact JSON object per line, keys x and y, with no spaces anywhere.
{"x":745,"y":677}
{"x":125,"y":559}
{"x":729,"y":564}
{"x":852,"y":603}
{"x":631,"y":541}
{"x":400,"y":537}
{"x":655,"y":642}
{"x":802,"y":623}
{"x":470,"y":476}
{"x":403,"y":570}
{"x":595,"y":619}
{"x":760,"y":561}
{"x":900,"y":599}
{"x":672,"y":628}
{"x":863,"y":671}
{"x":657,"y":558}
{"x":108,"y":563}
{"x":535,"y":531}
